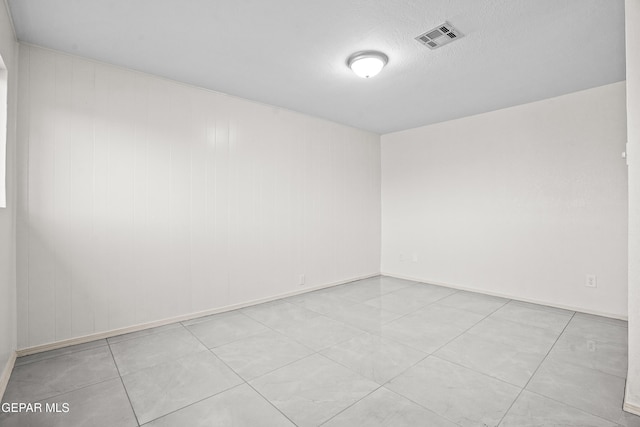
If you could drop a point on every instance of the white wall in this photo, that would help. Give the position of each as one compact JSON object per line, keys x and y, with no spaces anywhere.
{"x":145,"y":199}
{"x":8,"y":51}
{"x":521,"y":202}
{"x":632,"y":29}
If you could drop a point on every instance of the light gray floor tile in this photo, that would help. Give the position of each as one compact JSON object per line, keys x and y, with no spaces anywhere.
{"x":440,"y":315}
{"x":459,"y":394}
{"x":239,"y":407}
{"x":59,"y":352}
{"x":320,"y":302}
{"x":541,"y":307}
{"x":499,"y":360}
{"x":164,"y":388}
{"x":384,"y":408}
{"x":533,"y":410}
{"x":379,"y":327}
{"x":616,"y":322}
{"x":605,"y":355}
{"x":363,"y":317}
{"x":50,"y":377}
{"x":100,"y":405}
{"x":278,"y":314}
{"x":376,"y":358}
{"x":362,"y":290}
{"x":148,"y":350}
{"x":218,"y":316}
{"x":313,"y":389}
{"x":221,"y":330}
{"x":426,"y":338}
{"x":144,"y":332}
{"x":396,"y":303}
{"x":629,"y":420}
{"x":320,"y":332}
{"x":596,"y":330}
{"x":430,"y":328}
{"x":424,"y":293}
{"x":471,"y":301}
{"x":525,"y":337}
{"x":534,"y":315}
{"x":391,"y":284}
{"x":592,"y":391}
{"x":355,"y":292}
{"x":258,"y":354}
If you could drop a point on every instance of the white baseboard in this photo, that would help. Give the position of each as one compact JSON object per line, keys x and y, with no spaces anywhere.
{"x":6,"y":373}
{"x":135,"y":328}
{"x":631,"y":408}
{"x":513,"y":297}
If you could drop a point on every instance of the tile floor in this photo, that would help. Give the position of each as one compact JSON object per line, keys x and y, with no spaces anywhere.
{"x":376,"y":352}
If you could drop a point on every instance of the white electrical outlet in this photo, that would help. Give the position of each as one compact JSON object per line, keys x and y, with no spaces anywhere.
{"x":403,"y":258}
{"x":591,"y":281}
{"x":414,"y":258}
{"x":591,"y":346}
{"x":302,"y":280}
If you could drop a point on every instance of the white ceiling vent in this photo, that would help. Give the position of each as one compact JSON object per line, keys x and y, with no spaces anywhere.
{"x":439,"y":36}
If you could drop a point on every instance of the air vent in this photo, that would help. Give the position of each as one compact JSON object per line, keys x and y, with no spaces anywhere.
{"x":434,"y":39}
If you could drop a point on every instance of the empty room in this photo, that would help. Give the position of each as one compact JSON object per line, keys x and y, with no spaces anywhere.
{"x":320,"y":213}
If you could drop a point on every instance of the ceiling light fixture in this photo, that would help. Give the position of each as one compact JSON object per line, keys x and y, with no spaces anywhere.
{"x":367,"y":64}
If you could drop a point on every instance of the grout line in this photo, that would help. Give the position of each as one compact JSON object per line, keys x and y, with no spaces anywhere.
{"x":271,"y":403}
{"x":252,"y":334}
{"x":319,"y":315}
{"x":319,"y":352}
{"x":363,"y":303}
{"x":427,"y":355}
{"x":123,"y":386}
{"x":71,"y":391}
{"x":476,"y":371}
{"x":147,"y":333}
{"x":28,"y":362}
{"x":367,"y":378}
{"x":351,"y":405}
{"x":206,"y":349}
{"x":194,"y":403}
{"x":363,"y":332}
{"x":314,"y":352}
{"x":418,"y":403}
{"x":379,"y":385}
{"x":469,"y":328}
{"x":536,"y":370}
{"x":452,"y":339}
{"x":574,"y":407}
{"x":171,"y":359}
{"x":402,"y":316}
{"x":244,"y":381}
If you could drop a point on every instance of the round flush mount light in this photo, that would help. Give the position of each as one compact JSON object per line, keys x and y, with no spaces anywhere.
{"x":367,"y":64}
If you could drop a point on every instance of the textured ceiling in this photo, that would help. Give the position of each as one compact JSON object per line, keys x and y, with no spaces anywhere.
{"x":292,"y":53}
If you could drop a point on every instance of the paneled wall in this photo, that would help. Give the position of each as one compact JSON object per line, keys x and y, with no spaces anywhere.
{"x":523,"y":202}
{"x":9,"y":53}
{"x":145,"y":199}
{"x":632,"y":29}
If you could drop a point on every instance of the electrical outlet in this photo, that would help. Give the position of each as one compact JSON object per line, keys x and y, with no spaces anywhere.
{"x":591,"y":346}
{"x":591,"y":281}
{"x":403,"y":258}
{"x":302,"y":280}
{"x":414,"y":258}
